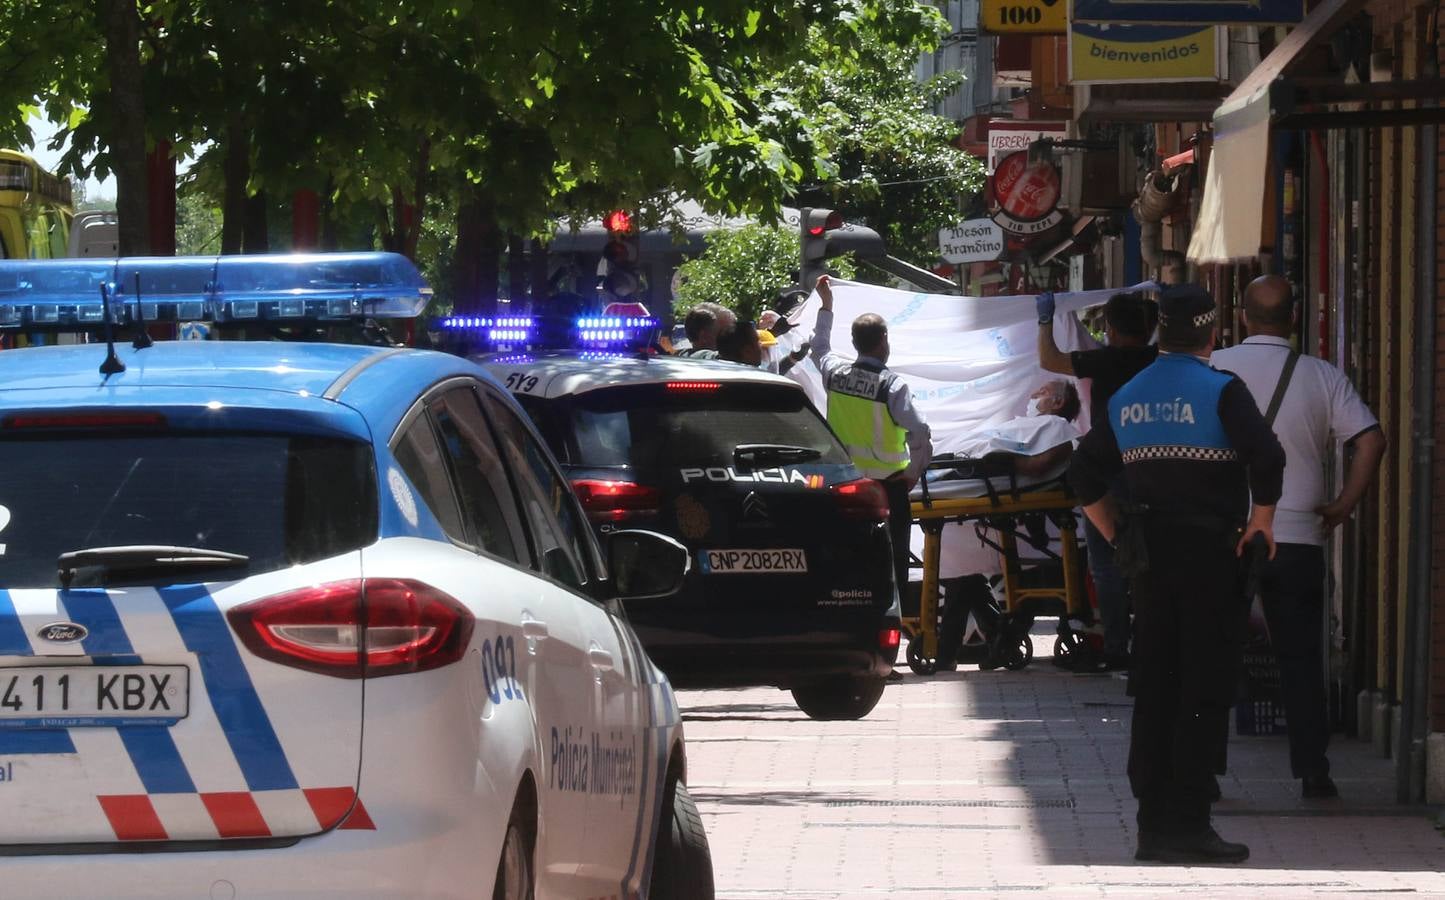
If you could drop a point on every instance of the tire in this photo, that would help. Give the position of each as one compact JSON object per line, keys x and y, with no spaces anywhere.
{"x":516,"y":872}
{"x":682,"y":866}
{"x":843,"y":698}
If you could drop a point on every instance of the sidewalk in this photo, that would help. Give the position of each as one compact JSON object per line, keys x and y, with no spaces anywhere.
{"x":1000,"y":784}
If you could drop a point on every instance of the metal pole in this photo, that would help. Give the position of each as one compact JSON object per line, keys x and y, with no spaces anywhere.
{"x":1414,"y":724}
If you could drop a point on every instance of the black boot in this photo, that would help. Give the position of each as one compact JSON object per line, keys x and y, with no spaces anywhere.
{"x":1200,"y":847}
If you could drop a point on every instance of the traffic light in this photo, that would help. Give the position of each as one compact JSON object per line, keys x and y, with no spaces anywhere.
{"x":815,"y":227}
{"x":620,"y":255}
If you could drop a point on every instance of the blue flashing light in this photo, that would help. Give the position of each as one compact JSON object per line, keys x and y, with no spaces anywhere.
{"x":64,"y":292}
{"x":629,"y":323}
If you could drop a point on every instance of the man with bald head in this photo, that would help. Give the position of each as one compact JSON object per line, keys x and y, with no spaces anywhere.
{"x":1314,"y":407}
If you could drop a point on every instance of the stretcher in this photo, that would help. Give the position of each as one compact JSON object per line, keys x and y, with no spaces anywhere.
{"x":999,"y":502}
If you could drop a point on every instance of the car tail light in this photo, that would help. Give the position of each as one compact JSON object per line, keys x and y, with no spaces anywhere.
{"x":616,"y":501}
{"x":862,"y":499}
{"x":693,"y":387}
{"x":359,"y":628}
{"x":888,"y":639}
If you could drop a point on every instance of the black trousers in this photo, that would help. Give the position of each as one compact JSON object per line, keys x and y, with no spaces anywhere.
{"x":1292,"y":588}
{"x":1189,"y":618}
{"x":900,"y":527}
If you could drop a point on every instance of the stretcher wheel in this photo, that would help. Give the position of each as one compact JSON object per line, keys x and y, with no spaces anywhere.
{"x":916,"y":662}
{"x":1019,"y":655}
{"x":1065,"y":645}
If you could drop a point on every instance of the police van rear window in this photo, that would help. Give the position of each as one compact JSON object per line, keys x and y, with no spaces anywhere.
{"x":652,"y":426}
{"x":280,"y":500}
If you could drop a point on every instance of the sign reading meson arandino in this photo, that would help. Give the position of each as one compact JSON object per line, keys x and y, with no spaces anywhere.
{"x":1190,"y":12}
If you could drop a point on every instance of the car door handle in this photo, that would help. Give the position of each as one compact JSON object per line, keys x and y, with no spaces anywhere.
{"x":601,"y":660}
{"x":534,"y":628}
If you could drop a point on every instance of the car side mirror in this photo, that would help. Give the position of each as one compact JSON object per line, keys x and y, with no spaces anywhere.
{"x":646,"y":565}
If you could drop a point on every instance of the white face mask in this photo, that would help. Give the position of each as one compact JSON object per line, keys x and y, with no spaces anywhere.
{"x":1033,"y":408}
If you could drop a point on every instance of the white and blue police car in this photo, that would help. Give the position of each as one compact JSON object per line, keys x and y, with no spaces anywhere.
{"x":284,"y":619}
{"x":792,"y":583}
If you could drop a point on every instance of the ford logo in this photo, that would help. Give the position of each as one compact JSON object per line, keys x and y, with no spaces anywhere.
{"x":63,"y":632}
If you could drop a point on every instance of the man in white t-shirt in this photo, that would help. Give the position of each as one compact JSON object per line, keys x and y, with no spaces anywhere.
{"x":1318,"y":408}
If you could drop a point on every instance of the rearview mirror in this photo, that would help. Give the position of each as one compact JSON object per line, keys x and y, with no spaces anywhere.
{"x":646,"y":565}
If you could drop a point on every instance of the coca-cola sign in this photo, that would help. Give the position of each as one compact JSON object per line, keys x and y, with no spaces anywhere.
{"x":1027,"y":194}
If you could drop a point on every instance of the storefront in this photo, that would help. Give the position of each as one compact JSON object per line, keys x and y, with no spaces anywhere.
{"x":1325,"y":165}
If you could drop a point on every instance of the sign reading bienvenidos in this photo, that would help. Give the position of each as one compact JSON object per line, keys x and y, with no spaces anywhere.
{"x":1111,"y":54}
{"x":1024,"y":16}
{"x":1190,"y":12}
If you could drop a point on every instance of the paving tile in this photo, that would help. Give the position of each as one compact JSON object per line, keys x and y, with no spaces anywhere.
{"x":1013,"y":784}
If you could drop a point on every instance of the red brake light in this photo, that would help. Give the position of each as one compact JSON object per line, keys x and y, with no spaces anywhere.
{"x":888,"y":639}
{"x":351,"y":629}
{"x":862,"y":499}
{"x":694,"y":387}
{"x":87,"y":420}
{"x":616,"y":501}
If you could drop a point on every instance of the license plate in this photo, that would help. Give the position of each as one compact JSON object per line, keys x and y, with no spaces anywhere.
{"x":734,"y":562}
{"x":78,"y":696}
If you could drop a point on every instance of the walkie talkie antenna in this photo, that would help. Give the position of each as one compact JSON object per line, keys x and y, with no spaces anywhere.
{"x":142,"y":338}
{"x":112,"y":364}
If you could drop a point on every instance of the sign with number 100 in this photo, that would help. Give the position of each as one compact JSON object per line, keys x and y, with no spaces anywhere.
{"x":1024,"y":16}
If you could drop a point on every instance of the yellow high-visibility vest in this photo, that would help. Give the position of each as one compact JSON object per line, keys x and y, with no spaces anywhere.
{"x":858,"y":412}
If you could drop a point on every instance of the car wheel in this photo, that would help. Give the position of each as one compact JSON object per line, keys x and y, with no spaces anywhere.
{"x":682,"y":866}
{"x":516,"y":879}
{"x":843,"y":698}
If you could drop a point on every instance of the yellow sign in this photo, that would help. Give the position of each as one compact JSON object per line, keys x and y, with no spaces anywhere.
{"x":1024,"y":16}
{"x":1109,"y":54}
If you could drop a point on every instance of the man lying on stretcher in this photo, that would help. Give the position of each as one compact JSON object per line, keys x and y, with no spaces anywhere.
{"x":1035,"y":444}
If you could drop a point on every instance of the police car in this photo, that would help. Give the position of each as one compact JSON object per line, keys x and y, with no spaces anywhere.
{"x":792,"y":584}
{"x":322,"y":620}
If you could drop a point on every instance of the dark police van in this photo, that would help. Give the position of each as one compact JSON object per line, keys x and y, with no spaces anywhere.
{"x":791,"y":583}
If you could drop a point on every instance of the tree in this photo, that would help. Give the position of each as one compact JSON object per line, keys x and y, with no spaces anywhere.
{"x":895,"y":166}
{"x":744,"y":269}
{"x":198,"y":225}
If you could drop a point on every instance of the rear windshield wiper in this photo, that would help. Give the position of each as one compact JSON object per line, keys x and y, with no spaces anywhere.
{"x":101,"y":564}
{"x":756,"y":454}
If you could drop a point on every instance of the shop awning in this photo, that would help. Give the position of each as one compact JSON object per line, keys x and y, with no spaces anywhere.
{"x":1231,"y":217}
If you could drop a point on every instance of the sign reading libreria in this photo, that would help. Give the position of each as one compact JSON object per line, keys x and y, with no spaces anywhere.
{"x":1193,"y":12}
{"x":1109,"y":54}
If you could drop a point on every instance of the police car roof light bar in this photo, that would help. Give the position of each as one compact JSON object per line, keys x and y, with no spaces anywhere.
{"x":60,"y":293}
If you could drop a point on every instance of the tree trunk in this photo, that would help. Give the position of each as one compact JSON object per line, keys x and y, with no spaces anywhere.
{"x":420,"y":183}
{"x":237,"y":169}
{"x":539,"y":275}
{"x":120,"y":23}
{"x":256,"y":238}
{"x":478,"y":254}
{"x":517,"y":271}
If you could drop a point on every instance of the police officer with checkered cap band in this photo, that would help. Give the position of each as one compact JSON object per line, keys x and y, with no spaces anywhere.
{"x":1195,"y":453}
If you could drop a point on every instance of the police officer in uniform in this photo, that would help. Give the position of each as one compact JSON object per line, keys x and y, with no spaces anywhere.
{"x":1193,"y":449}
{"x":872,"y":411}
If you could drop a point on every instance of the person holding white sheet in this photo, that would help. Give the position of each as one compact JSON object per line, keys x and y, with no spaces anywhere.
{"x":872,"y":411}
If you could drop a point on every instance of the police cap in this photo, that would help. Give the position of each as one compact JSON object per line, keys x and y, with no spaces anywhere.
{"x":1186,"y":315}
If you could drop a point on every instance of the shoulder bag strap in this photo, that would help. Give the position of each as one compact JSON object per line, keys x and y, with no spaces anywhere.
{"x":1280,"y":388}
